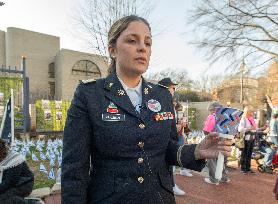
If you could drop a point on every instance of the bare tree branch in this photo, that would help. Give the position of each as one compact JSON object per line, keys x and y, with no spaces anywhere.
{"x":95,"y":18}
{"x":227,"y":29}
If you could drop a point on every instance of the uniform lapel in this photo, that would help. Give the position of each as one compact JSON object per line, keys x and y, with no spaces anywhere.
{"x":148,"y":93}
{"x":116,"y":93}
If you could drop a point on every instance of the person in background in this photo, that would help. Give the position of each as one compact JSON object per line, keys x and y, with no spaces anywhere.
{"x":16,"y":179}
{"x":167,"y":83}
{"x":273,"y":129}
{"x":184,"y":133}
{"x":247,"y":127}
{"x":211,"y":163}
{"x":266,"y":148}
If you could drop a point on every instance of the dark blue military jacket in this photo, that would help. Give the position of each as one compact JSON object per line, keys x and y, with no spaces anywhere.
{"x":113,"y":154}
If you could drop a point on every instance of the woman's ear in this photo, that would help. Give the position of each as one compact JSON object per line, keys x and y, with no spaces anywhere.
{"x":112,"y":51}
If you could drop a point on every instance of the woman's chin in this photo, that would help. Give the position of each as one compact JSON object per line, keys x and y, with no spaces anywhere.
{"x":141,"y":70}
{"x":136,"y":70}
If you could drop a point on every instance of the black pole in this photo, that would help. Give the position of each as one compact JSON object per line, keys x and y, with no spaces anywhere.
{"x":26,"y":117}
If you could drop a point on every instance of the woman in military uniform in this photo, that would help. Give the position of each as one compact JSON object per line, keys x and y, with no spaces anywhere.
{"x":120,"y":134}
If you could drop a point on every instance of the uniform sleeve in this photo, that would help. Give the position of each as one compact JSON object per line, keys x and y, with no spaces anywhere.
{"x":76,"y":151}
{"x":182,"y":156}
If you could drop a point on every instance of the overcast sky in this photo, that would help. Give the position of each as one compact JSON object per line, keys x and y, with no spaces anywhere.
{"x":54,"y":17}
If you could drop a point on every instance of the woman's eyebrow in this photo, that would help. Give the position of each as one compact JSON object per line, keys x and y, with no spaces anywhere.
{"x":136,"y":35}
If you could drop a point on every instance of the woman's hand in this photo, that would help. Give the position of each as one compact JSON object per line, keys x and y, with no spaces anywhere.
{"x":211,"y":146}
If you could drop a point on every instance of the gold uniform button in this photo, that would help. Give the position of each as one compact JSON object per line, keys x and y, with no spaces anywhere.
{"x":142,"y":126}
{"x":141,"y":144}
{"x":140,"y":179}
{"x":140,"y":160}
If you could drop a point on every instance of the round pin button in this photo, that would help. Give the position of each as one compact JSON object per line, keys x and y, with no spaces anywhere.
{"x":140,"y":160}
{"x":154,"y":105}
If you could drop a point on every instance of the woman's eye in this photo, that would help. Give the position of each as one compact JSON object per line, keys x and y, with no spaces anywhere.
{"x":131,"y":41}
{"x":148,"y":44}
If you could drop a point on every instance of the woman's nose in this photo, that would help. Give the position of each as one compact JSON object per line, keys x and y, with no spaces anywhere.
{"x":142,"y":47}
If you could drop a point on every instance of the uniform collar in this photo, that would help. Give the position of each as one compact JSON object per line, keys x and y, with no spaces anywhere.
{"x":137,"y":89}
{"x":117,"y":94}
{"x":112,"y":83}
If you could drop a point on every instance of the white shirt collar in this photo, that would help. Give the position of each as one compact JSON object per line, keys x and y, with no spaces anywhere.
{"x":137,"y":89}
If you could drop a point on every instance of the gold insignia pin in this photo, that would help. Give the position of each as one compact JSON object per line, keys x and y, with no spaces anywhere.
{"x":110,"y":85}
{"x":121,"y":92}
{"x":146,"y":91}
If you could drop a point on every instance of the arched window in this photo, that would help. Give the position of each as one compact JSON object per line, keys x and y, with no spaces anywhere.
{"x":86,"y":68}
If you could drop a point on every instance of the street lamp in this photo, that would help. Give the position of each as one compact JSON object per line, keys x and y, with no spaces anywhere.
{"x":242,"y":70}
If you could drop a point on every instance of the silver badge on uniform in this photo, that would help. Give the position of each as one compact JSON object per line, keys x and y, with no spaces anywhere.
{"x":154,"y":105}
{"x":113,"y":117}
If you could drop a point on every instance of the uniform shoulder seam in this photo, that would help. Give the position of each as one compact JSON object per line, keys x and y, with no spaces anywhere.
{"x":87,"y":81}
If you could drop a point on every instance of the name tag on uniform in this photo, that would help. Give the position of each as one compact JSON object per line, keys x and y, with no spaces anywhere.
{"x":113,"y":117}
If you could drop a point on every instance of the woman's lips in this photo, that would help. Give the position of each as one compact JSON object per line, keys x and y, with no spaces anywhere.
{"x":141,"y":60}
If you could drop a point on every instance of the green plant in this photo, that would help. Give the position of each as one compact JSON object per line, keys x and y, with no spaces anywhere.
{"x":8,"y":83}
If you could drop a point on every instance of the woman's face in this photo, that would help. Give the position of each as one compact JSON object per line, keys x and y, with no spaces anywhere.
{"x":133,"y":49}
{"x":172,"y":89}
{"x":212,"y":111}
{"x":249,"y":114}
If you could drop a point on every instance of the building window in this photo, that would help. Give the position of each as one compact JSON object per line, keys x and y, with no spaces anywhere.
{"x":51,"y":70}
{"x":51,"y":90}
{"x":86,"y":68}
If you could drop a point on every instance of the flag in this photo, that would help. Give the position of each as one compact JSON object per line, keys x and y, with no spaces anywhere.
{"x":60,"y":160}
{"x":51,"y":175}
{"x":6,"y":132}
{"x":39,"y":148}
{"x":15,"y":148}
{"x":23,"y":152}
{"x":52,"y":161}
{"x":58,"y":177}
{"x":43,"y":169}
{"x":34,"y":157}
{"x":43,"y":157}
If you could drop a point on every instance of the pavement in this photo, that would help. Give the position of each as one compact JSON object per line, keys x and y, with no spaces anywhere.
{"x":243,"y":189}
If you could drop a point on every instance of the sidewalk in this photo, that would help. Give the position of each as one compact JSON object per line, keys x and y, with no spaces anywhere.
{"x":243,"y":189}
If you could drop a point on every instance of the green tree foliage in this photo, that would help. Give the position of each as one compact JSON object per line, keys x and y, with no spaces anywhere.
{"x":192,"y":96}
{"x":8,"y":83}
